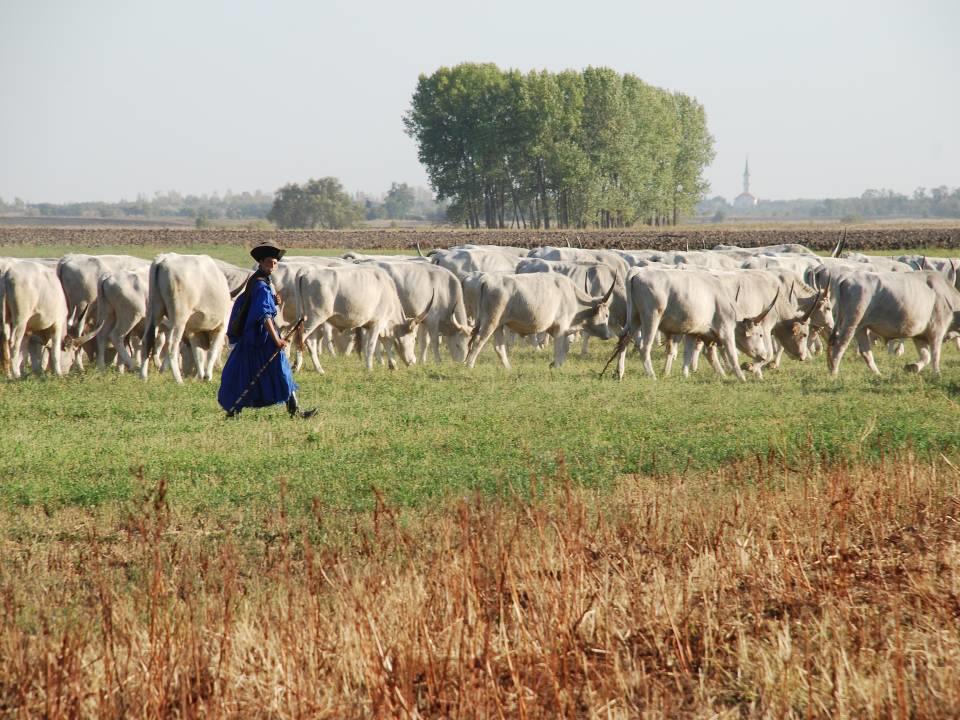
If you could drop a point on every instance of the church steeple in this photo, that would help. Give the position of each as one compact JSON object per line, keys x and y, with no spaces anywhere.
{"x":745,"y":199}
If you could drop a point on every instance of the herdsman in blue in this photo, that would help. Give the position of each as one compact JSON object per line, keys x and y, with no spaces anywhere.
{"x":257,"y":372}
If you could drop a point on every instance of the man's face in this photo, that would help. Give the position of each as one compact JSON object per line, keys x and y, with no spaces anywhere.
{"x":268,"y":265}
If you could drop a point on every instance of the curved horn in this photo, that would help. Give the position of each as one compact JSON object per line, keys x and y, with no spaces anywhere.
{"x":759,"y":318}
{"x":840,"y":244}
{"x":419,"y":251}
{"x":568,"y":242}
{"x":923,"y":263}
{"x":465,"y":329}
{"x":82,"y":311}
{"x":609,"y":292}
{"x":816,"y":301}
{"x":84,"y":339}
{"x":426,"y":311}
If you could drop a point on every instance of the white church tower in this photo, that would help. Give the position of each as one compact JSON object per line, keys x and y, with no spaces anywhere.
{"x":745,"y":199}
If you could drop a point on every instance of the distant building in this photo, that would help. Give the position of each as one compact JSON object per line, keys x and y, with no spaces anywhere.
{"x":745,"y":199}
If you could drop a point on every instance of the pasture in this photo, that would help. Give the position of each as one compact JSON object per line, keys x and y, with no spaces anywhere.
{"x":445,"y":542}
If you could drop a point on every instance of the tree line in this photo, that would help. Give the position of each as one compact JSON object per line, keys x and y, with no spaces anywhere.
{"x":937,"y":202}
{"x":569,"y":149}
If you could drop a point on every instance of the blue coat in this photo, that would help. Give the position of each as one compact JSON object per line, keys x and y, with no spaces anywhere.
{"x":251,"y":351}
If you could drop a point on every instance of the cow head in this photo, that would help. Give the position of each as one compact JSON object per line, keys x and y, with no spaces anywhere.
{"x":405,"y":336}
{"x":598,"y":318}
{"x":458,"y":342}
{"x":751,"y":334}
{"x":795,"y":333}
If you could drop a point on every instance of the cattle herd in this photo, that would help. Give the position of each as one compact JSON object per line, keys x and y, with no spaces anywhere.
{"x":56,"y":313}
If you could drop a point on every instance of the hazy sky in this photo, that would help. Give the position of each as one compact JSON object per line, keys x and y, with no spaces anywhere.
{"x":102,"y":100}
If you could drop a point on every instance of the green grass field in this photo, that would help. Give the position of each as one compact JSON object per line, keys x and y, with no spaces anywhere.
{"x":425,"y":432}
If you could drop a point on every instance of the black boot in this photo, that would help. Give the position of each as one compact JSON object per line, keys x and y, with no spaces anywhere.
{"x":234,"y":413}
{"x":294,"y":408}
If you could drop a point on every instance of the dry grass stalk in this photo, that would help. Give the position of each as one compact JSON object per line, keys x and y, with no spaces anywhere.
{"x":756,"y":591}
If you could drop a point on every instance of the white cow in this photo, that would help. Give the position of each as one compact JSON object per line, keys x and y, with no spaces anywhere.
{"x":189,"y":294}
{"x":462,"y":262}
{"x":32,"y":307}
{"x":416,"y":284}
{"x":80,"y":276}
{"x":536,"y":303}
{"x":121,"y":311}
{"x":686,"y":302}
{"x":922,"y":305}
{"x":355,"y":297}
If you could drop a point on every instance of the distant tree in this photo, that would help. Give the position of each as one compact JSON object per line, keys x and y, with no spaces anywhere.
{"x":399,"y":201}
{"x":318,"y":203}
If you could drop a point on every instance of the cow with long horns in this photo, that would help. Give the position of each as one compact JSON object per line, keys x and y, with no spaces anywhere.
{"x":530,"y":304}
{"x":695,"y":303}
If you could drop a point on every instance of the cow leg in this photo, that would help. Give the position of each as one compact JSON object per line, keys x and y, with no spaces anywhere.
{"x":671,"y":347}
{"x":692,"y":347}
{"x":730,"y":352}
{"x":895,"y":348}
{"x":18,"y":347}
{"x":216,"y":347}
{"x":936,"y":345}
{"x":651,"y":324}
{"x":55,"y":351}
{"x":117,"y":335}
{"x":369,"y":337}
{"x":480,"y":339}
{"x":561,"y":344}
{"x":435,"y":343}
{"x":500,"y":347}
{"x":713,"y":355}
{"x":173,"y":356}
{"x":423,"y":344}
{"x":865,"y":347}
{"x":837,"y":345}
{"x":311,"y":346}
{"x":923,"y":350}
{"x":35,"y":353}
{"x":585,"y":347}
{"x":623,"y":344}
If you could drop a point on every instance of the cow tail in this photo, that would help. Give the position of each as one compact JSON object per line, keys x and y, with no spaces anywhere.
{"x":301,"y":307}
{"x":153,"y":304}
{"x":4,"y":348}
{"x":476,"y":329}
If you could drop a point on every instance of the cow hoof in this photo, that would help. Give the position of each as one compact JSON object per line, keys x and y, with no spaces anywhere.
{"x":912,"y":367}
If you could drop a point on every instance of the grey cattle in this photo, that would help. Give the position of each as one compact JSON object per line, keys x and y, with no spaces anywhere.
{"x":418,"y":284}
{"x":781,"y":249}
{"x":533,"y":304}
{"x":355,"y":297}
{"x":284,"y":281}
{"x":32,"y":307}
{"x":236,"y":277}
{"x":121,"y":311}
{"x":686,"y":302}
{"x":518,"y":252}
{"x":771,"y":301}
{"x":80,"y":277}
{"x":462,"y":262}
{"x":615,"y":260}
{"x":922,"y":305}
{"x":593,"y":277}
{"x":189,"y":295}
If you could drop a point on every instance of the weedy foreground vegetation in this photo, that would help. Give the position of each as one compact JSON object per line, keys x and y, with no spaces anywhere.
{"x":757,"y":590}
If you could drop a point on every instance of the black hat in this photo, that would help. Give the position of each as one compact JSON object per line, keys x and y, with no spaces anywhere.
{"x":266,"y":250}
